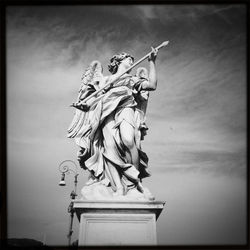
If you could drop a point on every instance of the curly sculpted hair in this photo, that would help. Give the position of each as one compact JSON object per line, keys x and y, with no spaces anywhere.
{"x":116,"y":60}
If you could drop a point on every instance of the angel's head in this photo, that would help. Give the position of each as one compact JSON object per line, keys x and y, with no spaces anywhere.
{"x":123,"y":59}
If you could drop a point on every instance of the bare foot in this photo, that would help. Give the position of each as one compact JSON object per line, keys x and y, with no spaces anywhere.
{"x":118,"y":192}
{"x":148,"y":195}
{"x":140,"y":187}
{"x":90,"y":181}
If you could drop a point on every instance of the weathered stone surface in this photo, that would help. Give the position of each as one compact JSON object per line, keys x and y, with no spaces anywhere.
{"x":116,"y":223}
{"x":98,"y":191}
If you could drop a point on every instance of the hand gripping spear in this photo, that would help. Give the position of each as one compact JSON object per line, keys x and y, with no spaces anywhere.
{"x":121,"y":74}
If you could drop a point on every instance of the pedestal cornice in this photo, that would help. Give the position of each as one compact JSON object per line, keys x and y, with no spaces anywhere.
{"x":140,"y":207}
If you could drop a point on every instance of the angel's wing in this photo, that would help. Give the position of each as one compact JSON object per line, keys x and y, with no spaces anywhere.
{"x":142,"y":102}
{"x":90,"y":79}
{"x":143,"y":95}
{"x":142,"y":72}
{"x":89,"y":83}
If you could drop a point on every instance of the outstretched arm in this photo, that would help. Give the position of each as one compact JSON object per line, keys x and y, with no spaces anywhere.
{"x":151,"y":84}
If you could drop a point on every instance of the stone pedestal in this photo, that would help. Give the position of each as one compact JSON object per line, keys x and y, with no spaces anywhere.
{"x":112,"y":223}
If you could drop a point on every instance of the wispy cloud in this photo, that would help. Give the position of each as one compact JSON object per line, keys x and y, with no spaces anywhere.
{"x":201,"y":89}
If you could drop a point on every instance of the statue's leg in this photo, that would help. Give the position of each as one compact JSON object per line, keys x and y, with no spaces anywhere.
{"x":127,"y":132}
{"x":110,"y":149}
{"x":117,"y":179}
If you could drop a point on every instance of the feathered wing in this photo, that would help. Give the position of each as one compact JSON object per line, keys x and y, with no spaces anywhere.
{"x":142,"y":96}
{"x":91,"y":78}
{"x":90,"y":81}
{"x":142,"y":102}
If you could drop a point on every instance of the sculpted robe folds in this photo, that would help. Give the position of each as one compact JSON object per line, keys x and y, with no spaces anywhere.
{"x":97,"y":131}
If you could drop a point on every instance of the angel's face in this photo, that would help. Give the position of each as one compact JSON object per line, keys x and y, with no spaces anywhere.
{"x":127,"y":62}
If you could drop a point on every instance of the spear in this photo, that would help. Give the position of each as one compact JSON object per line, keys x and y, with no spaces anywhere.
{"x":121,"y":74}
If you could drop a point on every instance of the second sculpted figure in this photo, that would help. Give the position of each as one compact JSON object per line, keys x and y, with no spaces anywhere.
{"x":109,"y":127}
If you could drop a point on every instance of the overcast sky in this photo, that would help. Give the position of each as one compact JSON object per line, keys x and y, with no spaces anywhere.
{"x":196,"y":141}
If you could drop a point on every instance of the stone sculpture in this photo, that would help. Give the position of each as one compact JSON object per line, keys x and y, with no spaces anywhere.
{"x":108,"y":126}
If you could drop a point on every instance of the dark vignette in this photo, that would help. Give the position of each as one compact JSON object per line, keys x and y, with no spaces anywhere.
{"x":3,"y":150}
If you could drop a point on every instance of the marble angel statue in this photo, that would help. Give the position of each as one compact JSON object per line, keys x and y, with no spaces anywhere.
{"x":109,"y":127}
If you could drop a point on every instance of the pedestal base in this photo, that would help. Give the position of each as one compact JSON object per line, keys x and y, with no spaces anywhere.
{"x":117,"y":223}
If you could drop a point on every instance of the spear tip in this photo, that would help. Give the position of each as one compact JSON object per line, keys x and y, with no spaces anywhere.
{"x":165,"y":43}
